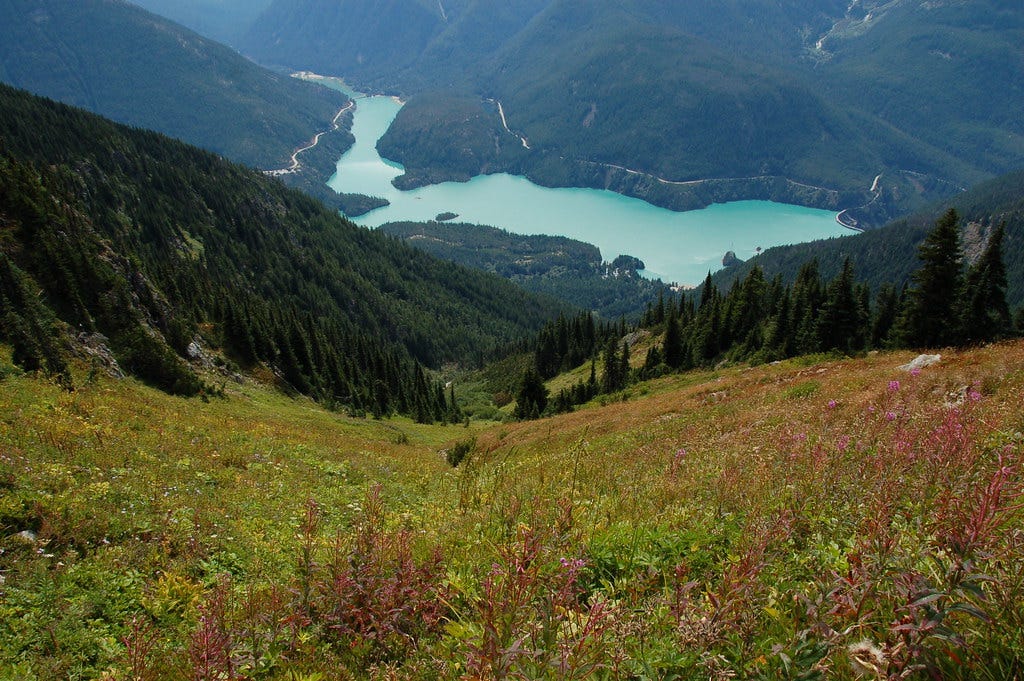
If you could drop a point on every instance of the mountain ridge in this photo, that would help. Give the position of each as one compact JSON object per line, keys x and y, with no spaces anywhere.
{"x":609,"y":83}
{"x":158,"y":245}
{"x":159,"y":76}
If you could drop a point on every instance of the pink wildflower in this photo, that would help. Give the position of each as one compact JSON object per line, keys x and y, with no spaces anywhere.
{"x":677,"y":462}
{"x":832,"y":404}
{"x":890,"y":416}
{"x":894,"y":386}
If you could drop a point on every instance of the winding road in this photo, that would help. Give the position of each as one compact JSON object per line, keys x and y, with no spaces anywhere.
{"x":295,"y":165}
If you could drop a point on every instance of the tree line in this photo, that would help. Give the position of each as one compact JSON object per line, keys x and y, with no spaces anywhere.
{"x":947,"y":303}
{"x":157,"y":245}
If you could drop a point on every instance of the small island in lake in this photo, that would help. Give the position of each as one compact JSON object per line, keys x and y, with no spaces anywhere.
{"x":444,"y":217}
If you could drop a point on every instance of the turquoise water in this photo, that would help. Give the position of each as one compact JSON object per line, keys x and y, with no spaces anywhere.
{"x":677,"y":247}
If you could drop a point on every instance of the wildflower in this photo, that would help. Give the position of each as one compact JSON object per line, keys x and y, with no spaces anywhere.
{"x":890,"y":416}
{"x":832,"y":404}
{"x":867,"y":659}
{"x":843,"y":444}
{"x":677,"y":462}
{"x":916,"y":371}
{"x":974,"y":396}
{"x":894,"y":386}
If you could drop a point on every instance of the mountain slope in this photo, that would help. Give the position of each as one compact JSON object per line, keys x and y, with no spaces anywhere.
{"x":889,"y":254}
{"x":721,"y":524}
{"x":562,"y":268}
{"x":223,"y":20}
{"x":134,"y":67}
{"x":166,"y":249}
{"x":950,"y":73}
{"x":642,"y":96}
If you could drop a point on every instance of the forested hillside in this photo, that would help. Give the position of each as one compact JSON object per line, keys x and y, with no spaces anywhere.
{"x":705,"y":101}
{"x":562,"y":268}
{"x":948,"y":302}
{"x":889,"y":254}
{"x":171,"y":252}
{"x":131,"y":66}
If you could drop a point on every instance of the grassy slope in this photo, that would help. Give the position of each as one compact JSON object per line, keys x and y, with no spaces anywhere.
{"x":724,"y":512}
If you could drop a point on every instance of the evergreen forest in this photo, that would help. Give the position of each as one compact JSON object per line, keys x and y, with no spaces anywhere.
{"x":166,"y":250}
{"x":947,"y":303}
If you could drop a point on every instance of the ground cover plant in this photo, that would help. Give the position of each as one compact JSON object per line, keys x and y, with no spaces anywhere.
{"x":815,"y":518}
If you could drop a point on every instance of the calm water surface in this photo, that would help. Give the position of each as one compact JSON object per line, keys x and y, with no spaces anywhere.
{"x":677,"y":247}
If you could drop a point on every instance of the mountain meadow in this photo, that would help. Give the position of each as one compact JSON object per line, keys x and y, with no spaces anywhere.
{"x":815,"y":518}
{"x":240,"y":438}
{"x":245,"y":439}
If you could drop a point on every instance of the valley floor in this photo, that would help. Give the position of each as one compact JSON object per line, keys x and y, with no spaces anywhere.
{"x":807,"y":519}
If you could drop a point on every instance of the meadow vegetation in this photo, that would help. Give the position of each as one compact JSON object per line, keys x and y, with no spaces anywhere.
{"x":814,"y":518}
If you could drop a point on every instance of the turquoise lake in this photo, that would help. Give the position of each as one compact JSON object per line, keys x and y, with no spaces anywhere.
{"x":677,"y":247}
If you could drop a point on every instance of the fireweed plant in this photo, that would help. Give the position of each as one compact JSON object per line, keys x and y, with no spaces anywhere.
{"x":832,"y":519}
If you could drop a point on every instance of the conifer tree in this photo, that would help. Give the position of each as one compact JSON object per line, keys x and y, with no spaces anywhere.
{"x":673,"y":345}
{"x":929,"y":315}
{"x":839,"y":321}
{"x":652,"y":361}
{"x":707,"y":292}
{"x":610,"y":381}
{"x":887,"y":307}
{"x":985,"y":316}
{"x":624,"y":369}
{"x":532,"y":399}
{"x":780,"y":339}
{"x":746,"y":306}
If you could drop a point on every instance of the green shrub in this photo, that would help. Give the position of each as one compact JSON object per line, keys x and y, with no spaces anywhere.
{"x":458,"y":452}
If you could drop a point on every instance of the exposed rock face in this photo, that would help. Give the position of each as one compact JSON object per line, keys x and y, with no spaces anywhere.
{"x":95,"y":347}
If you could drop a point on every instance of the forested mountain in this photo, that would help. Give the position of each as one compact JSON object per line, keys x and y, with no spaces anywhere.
{"x":222,"y":20}
{"x":168,"y":251}
{"x":566,"y":269}
{"x":949,"y":300}
{"x":889,"y":254}
{"x":134,"y":67}
{"x":797,"y":100}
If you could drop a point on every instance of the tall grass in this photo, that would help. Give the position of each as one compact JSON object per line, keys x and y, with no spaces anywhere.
{"x":868,"y":528}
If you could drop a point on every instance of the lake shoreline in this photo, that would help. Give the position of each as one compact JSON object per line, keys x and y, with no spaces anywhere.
{"x":680,"y":246}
